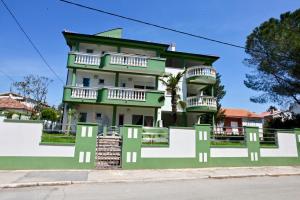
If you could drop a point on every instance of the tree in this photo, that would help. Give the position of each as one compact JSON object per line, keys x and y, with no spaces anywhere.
{"x":274,"y":54}
{"x":220,"y":92}
{"x":49,"y":114}
{"x":171,"y":82}
{"x":71,"y":114}
{"x":35,"y":87}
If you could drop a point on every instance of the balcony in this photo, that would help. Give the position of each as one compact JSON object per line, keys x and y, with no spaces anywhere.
{"x":114,"y":96}
{"x":201,"y":74}
{"x":84,"y":60}
{"x":133,"y":63}
{"x":201,"y":103}
{"x":118,"y":62}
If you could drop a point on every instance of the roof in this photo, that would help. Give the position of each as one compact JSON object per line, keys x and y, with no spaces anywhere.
{"x":112,"y":37}
{"x":240,"y":113}
{"x":10,"y":103}
{"x":94,"y":38}
{"x":188,"y":55}
{"x":10,"y":93}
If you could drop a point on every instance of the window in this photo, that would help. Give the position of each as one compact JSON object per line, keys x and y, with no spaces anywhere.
{"x":86,"y":82}
{"x":82,"y":117}
{"x":123,"y":84}
{"x":98,"y":116}
{"x":150,"y":88}
{"x":137,"y":119}
{"x":139,"y":86}
{"x":101,"y":82}
{"x":90,"y":51}
{"x":148,"y":121}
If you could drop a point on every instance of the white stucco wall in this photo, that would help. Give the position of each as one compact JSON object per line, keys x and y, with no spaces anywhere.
{"x":228,"y":152}
{"x":109,"y":78}
{"x":129,"y":111}
{"x":98,"y":49}
{"x":131,"y":80}
{"x":182,"y":92}
{"x":182,"y":144}
{"x":287,"y":147}
{"x":91,"y":110}
{"x":22,"y":139}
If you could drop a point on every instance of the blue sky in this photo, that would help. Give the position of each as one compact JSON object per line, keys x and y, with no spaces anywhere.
{"x":230,"y":20}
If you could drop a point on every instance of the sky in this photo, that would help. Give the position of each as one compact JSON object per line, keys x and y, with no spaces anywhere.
{"x":44,"y":21}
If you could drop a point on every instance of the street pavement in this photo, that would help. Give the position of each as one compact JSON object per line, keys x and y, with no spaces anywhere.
{"x":266,"y":188}
{"x":22,"y":178}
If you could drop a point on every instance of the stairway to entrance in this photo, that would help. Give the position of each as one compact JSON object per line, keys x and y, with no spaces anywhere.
{"x":108,"y":152}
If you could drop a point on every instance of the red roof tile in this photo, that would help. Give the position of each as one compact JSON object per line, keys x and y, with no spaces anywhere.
{"x":239,"y":113}
{"x":12,"y":104}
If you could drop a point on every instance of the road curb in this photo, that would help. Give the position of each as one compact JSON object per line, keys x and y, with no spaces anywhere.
{"x":58,"y":183}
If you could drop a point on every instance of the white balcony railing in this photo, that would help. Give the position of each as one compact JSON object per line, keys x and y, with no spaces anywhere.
{"x":127,"y":59}
{"x":201,"y":101}
{"x":87,"y":59}
{"x":84,"y":93}
{"x":201,"y":71}
{"x":126,"y":94}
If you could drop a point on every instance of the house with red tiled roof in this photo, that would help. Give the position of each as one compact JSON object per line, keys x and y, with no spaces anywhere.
{"x":236,"y":118}
{"x":14,"y":103}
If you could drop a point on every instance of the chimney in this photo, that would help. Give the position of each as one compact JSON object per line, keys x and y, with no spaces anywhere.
{"x":172,"y":47}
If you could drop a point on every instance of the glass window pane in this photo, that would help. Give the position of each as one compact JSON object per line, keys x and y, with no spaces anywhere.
{"x":137,"y":119}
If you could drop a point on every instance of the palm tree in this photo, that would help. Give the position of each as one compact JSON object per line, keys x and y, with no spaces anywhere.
{"x":171,"y":82}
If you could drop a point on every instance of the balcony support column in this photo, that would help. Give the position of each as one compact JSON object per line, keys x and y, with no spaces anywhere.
{"x":155,"y":121}
{"x":114,"y":117}
{"x":212,"y":91}
{"x":117,"y":79}
{"x":156,"y":82}
{"x":73,"y":77}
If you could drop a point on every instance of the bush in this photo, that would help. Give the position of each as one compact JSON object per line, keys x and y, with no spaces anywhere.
{"x":49,"y":114}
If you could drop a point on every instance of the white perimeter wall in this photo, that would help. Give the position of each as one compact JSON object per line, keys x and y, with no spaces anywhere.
{"x":22,"y":139}
{"x":228,"y":152}
{"x":182,"y":144}
{"x":287,"y":147}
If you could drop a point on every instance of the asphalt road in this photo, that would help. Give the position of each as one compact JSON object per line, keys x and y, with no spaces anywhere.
{"x":265,"y":188}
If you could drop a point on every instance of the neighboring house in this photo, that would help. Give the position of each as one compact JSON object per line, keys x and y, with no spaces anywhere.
{"x":28,"y":102}
{"x":114,"y":81}
{"x":20,"y":110}
{"x":235,"y":119}
{"x":274,"y":114}
{"x":295,"y":108}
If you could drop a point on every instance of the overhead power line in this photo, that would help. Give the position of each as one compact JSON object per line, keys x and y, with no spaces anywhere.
{"x":7,"y":76}
{"x":154,"y":25}
{"x":30,"y":41}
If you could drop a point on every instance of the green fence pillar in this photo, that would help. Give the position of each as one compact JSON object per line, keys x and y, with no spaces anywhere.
{"x":297,"y":133}
{"x":252,"y":139}
{"x":203,"y":132}
{"x":85,"y":147}
{"x":131,"y":146}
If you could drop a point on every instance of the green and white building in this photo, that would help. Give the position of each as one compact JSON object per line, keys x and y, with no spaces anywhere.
{"x":113,"y":81}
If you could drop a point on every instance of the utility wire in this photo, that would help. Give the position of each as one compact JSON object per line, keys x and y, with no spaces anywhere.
{"x":7,"y":76}
{"x":30,"y":41}
{"x":154,"y":25}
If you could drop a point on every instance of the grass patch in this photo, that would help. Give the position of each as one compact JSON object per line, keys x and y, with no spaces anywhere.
{"x":268,"y":145}
{"x":57,"y":138}
{"x":228,"y":143}
{"x":155,"y":144}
